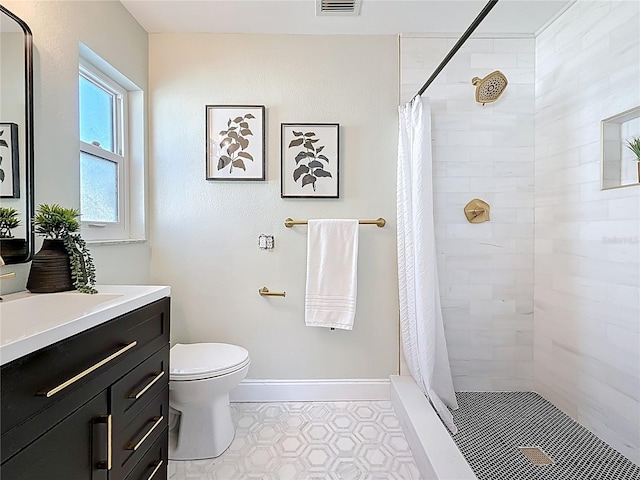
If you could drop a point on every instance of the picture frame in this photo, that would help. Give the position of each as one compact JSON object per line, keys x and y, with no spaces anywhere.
{"x":235,"y":142}
{"x":310,"y":160}
{"x":9,"y":161}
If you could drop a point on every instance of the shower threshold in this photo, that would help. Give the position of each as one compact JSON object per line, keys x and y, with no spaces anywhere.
{"x":499,"y":432}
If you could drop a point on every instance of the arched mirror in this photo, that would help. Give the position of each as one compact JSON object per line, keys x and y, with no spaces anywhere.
{"x":16,"y":139}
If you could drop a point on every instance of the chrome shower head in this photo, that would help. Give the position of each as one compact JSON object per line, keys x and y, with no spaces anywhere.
{"x":489,"y":88}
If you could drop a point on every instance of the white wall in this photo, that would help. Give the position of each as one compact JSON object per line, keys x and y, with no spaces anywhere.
{"x":58,"y":27}
{"x":486,"y":152}
{"x":204,"y":233}
{"x":12,"y":101}
{"x":587,"y":295}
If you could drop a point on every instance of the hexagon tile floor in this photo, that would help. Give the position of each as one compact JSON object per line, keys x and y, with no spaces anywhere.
{"x":300,"y":441}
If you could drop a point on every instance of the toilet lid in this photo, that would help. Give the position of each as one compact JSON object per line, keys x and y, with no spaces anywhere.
{"x":196,"y":361}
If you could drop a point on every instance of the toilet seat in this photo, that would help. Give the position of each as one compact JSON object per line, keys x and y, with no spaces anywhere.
{"x":199,"y":361}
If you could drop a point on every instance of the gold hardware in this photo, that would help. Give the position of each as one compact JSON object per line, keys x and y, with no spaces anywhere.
{"x":7,"y":275}
{"x":380,"y":222}
{"x":109,"y":442}
{"x":264,"y":291}
{"x":489,"y":88}
{"x":477,"y":211}
{"x":155,"y":470}
{"x":136,"y":446}
{"x":108,"y":420}
{"x":86,"y":372}
{"x":149,"y":385}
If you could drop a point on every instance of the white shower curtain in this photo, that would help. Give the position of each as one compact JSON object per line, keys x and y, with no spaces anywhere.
{"x":421,"y":325}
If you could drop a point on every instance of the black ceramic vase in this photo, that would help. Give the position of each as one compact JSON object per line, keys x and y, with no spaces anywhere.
{"x":50,"y":269}
{"x":13,"y":249}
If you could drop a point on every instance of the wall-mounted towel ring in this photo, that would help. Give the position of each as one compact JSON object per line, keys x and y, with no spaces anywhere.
{"x":477,"y":211}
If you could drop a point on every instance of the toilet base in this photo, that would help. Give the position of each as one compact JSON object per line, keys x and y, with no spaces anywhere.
{"x":204,"y":432}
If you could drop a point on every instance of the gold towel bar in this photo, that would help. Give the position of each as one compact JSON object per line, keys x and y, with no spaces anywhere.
{"x":380,"y":222}
{"x":264,"y":291}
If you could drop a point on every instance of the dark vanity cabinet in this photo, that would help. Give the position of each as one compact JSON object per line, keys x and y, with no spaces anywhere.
{"x":93,"y":406}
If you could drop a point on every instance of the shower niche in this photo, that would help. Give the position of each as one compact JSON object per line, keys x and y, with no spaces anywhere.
{"x":620,"y":143}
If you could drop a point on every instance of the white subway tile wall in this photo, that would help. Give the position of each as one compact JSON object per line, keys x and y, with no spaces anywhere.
{"x":487,"y":152}
{"x":587,"y":262}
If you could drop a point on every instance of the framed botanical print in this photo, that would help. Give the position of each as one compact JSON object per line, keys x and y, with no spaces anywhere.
{"x":235,"y":136}
{"x":9,"y":162}
{"x":310,"y":160}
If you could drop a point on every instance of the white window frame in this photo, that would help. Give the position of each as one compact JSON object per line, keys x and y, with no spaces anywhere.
{"x":109,"y":231}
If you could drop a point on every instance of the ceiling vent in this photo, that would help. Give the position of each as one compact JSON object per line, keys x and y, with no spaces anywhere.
{"x":338,"y":7}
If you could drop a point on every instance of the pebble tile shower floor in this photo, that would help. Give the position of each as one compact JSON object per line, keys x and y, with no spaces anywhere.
{"x":492,"y":425}
{"x":307,"y":441}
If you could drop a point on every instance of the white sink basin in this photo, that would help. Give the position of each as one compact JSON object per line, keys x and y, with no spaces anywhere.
{"x":30,"y":321}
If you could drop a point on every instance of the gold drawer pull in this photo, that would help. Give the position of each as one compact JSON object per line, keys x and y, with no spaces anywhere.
{"x":108,"y":420}
{"x":158,"y":376}
{"x":86,"y":372}
{"x":155,"y":470}
{"x":136,"y":446}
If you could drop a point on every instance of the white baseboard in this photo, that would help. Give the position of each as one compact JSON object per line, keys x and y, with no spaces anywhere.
{"x":251,"y":390}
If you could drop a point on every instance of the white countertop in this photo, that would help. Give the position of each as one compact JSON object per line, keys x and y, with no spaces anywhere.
{"x":31,"y":321}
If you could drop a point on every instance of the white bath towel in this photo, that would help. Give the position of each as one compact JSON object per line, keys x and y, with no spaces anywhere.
{"x":332,"y":271}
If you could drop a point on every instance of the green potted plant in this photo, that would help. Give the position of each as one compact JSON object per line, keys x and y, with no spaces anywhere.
{"x":634,"y":146}
{"x":10,"y":247}
{"x":64,"y":262}
{"x":8,"y":221}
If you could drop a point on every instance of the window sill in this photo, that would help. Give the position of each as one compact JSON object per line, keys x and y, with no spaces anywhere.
{"x":116,"y":242}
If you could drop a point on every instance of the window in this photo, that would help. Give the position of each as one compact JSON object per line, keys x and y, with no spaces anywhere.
{"x":103,"y":156}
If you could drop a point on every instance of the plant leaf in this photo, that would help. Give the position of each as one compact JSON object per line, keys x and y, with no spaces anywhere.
{"x":233,"y":135}
{"x":229,"y":123}
{"x":226,"y":141}
{"x":295,"y":143}
{"x":307,"y":179}
{"x":308,"y":145}
{"x":237,"y":119}
{"x":248,"y":115}
{"x":3,"y":143}
{"x":223,"y":132}
{"x":244,"y":143}
{"x":319,"y":149}
{"x":297,"y":134}
{"x":318,"y":172}
{"x":322,"y":157}
{"x":1,"y":175}
{"x":223,"y":162}
{"x":244,"y":124}
{"x":246,"y":131}
{"x":315,"y":164}
{"x":314,"y":140}
{"x":300,"y":156}
{"x":233,"y":128}
{"x":239,"y":164}
{"x":232,"y":148}
{"x":299,"y":171}
{"x":245,"y":155}
{"x":310,"y":134}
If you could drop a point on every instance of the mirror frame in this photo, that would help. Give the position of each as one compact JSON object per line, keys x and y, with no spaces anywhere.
{"x":29,"y":140}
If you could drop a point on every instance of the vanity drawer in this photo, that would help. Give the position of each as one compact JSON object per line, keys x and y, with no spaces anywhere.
{"x":57,"y":377}
{"x":153,"y":466}
{"x":132,"y":392}
{"x":131,"y":441}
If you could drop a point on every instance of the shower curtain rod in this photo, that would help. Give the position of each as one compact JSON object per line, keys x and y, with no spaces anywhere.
{"x":478,"y":20}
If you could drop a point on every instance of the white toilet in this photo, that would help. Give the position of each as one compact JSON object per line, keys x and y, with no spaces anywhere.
{"x":201,"y":377}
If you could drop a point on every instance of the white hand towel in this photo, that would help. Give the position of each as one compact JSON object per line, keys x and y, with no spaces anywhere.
{"x":332,"y":271}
